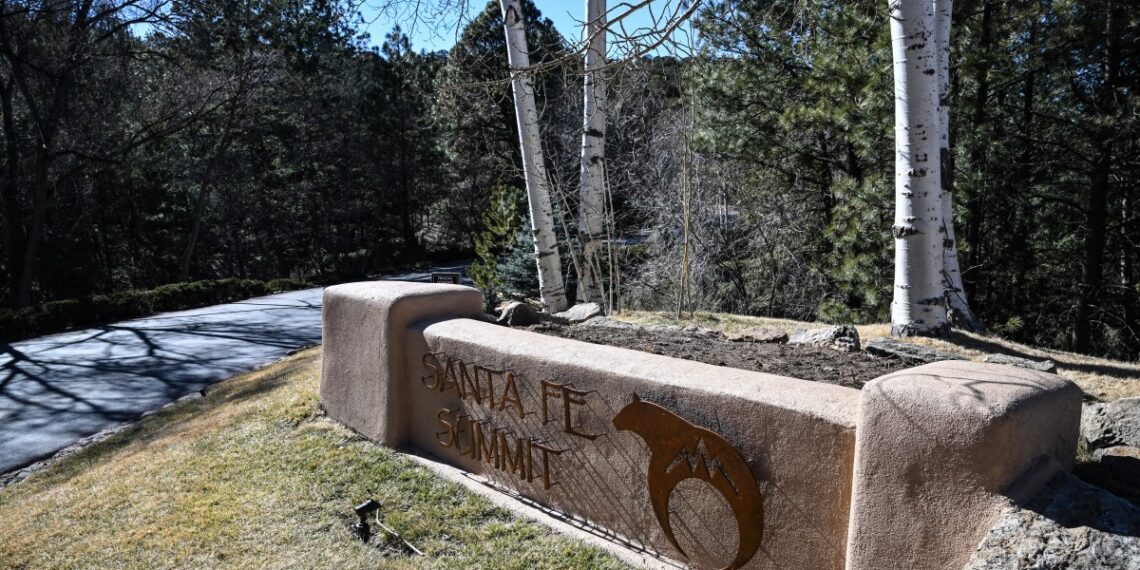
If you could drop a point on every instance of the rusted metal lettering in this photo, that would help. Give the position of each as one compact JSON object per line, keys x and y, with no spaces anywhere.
{"x":679,"y":450}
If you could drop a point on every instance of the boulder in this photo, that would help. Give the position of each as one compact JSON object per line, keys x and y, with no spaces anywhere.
{"x":1068,"y":524}
{"x":518,"y":314}
{"x":1111,"y":424}
{"x":544,"y":317}
{"x":580,"y":313}
{"x":1042,"y":365}
{"x":1116,"y":470}
{"x":606,"y":322}
{"x":687,"y":330}
{"x":1120,"y":451}
{"x":908,"y":352}
{"x":759,"y":334}
{"x":842,"y":338}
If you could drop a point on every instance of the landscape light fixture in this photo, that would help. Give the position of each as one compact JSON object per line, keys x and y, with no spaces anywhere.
{"x":361,"y":529}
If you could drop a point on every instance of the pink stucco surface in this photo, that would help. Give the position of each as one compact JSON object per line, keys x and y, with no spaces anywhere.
{"x":907,"y":473}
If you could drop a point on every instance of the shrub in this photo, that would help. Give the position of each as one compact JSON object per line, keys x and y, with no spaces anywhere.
{"x":500,"y":223}
{"x":67,"y":314}
{"x":516,"y":268}
{"x":286,"y":284}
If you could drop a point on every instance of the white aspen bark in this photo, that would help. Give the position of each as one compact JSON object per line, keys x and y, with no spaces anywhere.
{"x":960,"y":314}
{"x":591,"y":207}
{"x":546,"y":255}
{"x":918,"y":307}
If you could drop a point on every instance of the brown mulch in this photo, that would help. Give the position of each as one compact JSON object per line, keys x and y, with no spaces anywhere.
{"x":852,"y":369}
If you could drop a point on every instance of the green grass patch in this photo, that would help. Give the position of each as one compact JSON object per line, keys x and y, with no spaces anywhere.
{"x":254,"y":475}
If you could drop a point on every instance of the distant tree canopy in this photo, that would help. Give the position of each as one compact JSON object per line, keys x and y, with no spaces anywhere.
{"x":256,"y":138}
{"x":1045,"y":137}
{"x":264,"y":139}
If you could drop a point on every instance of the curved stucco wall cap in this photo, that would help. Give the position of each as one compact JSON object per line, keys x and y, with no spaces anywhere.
{"x":936,"y":448}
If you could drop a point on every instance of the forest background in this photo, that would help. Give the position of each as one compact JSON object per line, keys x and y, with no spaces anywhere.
{"x":263,"y":139}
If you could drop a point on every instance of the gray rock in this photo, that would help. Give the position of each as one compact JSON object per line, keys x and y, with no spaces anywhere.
{"x":518,"y":314}
{"x":687,"y":330}
{"x":1112,"y":424}
{"x":544,"y":317}
{"x":581,"y":312}
{"x":1114,"y":469}
{"x":1120,"y":451}
{"x":842,"y":338}
{"x":908,"y":352}
{"x":759,"y":334}
{"x":605,"y":322}
{"x":1042,"y":365}
{"x":1069,"y":524}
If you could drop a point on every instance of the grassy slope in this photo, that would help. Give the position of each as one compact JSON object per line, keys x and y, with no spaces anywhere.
{"x":1100,"y":378}
{"x":254,"y":476}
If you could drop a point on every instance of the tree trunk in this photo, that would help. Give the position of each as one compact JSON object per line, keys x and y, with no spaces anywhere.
{"x":45,"y":125}
{"x":207,"y":179}
{"x":1127,"y":250}
{"x":41,"y":188}
{"x":534,"y":169}
{"x":918,"y":307}
{"x":204,"y":183}
{"x":406,"y":168}
{"x":22,"y":297}
{"x":411,"y":245}
{"x":591,"y":214}
{"x":976,"y":205}
{"x":1092,"y":268}
{"x":959,"y":309}
{"x":13,"y":213}
{"x":687,"y":224}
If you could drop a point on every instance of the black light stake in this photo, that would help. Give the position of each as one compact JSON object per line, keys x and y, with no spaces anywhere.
{"x":361,"y":529}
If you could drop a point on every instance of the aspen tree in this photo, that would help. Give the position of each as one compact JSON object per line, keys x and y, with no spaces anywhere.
{"x":960,"y":313}
{"x":918,"y":307}
{"x":546,"y":255}
{"x":591,"y":214}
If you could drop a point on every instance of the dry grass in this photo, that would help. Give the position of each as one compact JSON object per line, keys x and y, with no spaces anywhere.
{"x":253,"y":476}
{"x":1100,"y":378}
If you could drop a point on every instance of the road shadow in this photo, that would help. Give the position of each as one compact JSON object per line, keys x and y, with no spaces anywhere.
{"x":57,"y":389}
{"x":154,"y":426}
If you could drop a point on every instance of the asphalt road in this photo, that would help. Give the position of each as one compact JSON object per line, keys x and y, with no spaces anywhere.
{"x":57,"y":389}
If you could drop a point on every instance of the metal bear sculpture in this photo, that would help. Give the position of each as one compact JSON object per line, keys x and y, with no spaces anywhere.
{"x":679,"y":450}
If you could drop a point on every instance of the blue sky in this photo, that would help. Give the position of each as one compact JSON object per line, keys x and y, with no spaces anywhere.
{"x":440,"y":32}
{"x":432,"y":31}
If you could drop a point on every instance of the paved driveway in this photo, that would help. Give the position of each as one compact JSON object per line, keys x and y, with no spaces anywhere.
{"x":57,"y":389}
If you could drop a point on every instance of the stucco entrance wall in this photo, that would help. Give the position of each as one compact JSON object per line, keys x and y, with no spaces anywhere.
{"x":711,"y":466}
{"x":795,"y":441}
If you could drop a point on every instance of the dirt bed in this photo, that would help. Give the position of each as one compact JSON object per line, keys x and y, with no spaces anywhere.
{"x":852,"y":369}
